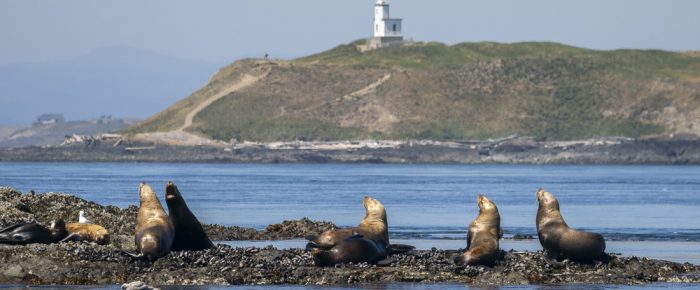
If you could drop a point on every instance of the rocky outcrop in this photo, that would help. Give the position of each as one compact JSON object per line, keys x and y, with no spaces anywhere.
{"x":77,"y":264}
{"x":16,"y":207}
{"x":88,"y":264}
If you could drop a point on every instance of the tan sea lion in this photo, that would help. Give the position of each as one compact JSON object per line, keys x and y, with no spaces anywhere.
{"x":482,"y":236}
{"x":154,"y":230}
{"x":558,"y":240}
{"x":92,"y":233}
{"x":189,"y":234}
{"x":368,"y":242}
{"x":373,"y":226}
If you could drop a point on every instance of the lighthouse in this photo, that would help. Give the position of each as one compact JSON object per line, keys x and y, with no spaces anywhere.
{"x":387,"y":30}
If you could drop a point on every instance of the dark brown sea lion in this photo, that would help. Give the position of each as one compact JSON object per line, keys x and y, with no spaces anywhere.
{"x":189,"y":234}
{"x":368,"y":242}
{"x":154,"y":230}
{"x":558,"y":240}
{"x":373,"y":226}
{"x":92,"y":233}
{"x":482,"y":236}
{"x":33,"y":233}
{"x":354,"y":249}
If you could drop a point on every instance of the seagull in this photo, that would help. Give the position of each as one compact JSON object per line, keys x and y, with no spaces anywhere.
{"x":82,"y":219}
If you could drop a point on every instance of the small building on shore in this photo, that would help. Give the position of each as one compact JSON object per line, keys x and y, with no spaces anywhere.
{"x":47,"y":119}
{"x":387,"y":30}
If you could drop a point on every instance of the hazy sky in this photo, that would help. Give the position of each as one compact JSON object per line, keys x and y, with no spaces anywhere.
{"x":222,"y":30}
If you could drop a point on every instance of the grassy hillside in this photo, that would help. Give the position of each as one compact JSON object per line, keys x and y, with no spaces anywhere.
{"x":464,"y":91}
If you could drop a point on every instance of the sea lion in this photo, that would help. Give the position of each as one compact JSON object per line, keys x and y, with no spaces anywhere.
{"x":558,"y":240}
{"x":354,"y":249}
{"x":92,"y":233}
{"x":373,"y":226}
{"x":33,"y":233}
{"x":368,"y":242}
{"x":154,"y":230}
{"x":482,"y":236}
{"x":189,"y":234}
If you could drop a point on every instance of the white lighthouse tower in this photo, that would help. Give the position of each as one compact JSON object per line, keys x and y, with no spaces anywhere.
{"x":387,"y":30}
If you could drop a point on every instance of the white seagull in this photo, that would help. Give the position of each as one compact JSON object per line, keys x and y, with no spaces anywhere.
{"x":82,"y":219}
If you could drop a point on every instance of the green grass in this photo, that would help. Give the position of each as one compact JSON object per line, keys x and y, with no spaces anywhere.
{"x":441,"y":92}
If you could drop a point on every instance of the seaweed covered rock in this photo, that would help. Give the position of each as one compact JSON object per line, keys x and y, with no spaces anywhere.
{"x":16,"y":207}
{"x":81,"y":264}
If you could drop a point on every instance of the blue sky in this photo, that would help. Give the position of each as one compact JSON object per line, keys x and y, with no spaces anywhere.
{"x":223,"y":30}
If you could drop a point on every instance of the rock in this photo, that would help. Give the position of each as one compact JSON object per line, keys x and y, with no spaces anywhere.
{"x":89,"y":264}
{"x":43,"y":208}
{"x":14,"y":272}
{"x":137,"y":285}
{"x":522,"y":237}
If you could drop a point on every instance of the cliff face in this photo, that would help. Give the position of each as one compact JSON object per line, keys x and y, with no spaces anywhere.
{"x":439,"y":92}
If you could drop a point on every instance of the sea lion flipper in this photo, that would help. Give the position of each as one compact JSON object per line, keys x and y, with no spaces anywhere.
{"x":70,"y":238}
{"x":551,"y":256}
{"x":311,"y":237}
{"x":399,"y":249}
{"x":139,"y":256}
{"x":10,"y":228}
{"x":18,"y":237}
{"x":354,"y":236}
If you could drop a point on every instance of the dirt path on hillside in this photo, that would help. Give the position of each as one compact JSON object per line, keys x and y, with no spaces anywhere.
{"x":246,"y":81}
{"x":368,"y":89}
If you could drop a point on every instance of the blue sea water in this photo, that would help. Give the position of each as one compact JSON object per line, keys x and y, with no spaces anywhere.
{"x":645,"y":210}
{"x":422,"y":201}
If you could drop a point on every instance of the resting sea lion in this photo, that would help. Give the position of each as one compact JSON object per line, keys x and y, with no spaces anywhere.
{"x":354,"y":249}
{"x":559,"y":240}
{"x":92,"y":233}
{"x":33,"y":233}
{"x":154,"y":230}
{"x":482,"y":236}
{"x":189,"y":234}
{"x":373,"y":227}
{"x":368,"y":242}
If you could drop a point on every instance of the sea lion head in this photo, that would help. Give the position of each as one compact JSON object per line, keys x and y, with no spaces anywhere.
{"x":547,"y":200}
{"x":171,"y":192}
{"x":374,"y":209}
{"x":488,"y":218}
{"x":486,"y":206}
{"x":146,"y":194}
{"x":58,"y":229}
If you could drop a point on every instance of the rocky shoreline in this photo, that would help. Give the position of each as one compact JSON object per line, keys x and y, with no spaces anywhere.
{"x":679,"y":149}
{"x":88,"y":264}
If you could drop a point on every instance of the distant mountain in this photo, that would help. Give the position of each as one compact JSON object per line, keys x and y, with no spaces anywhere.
{"x":53,"y":134}
{"x":440,"y":92}
{"x":6,"y":131}
{"x":118,"y":81}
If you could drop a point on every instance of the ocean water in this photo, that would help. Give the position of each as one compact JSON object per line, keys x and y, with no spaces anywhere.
{"x":641,"y":210}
